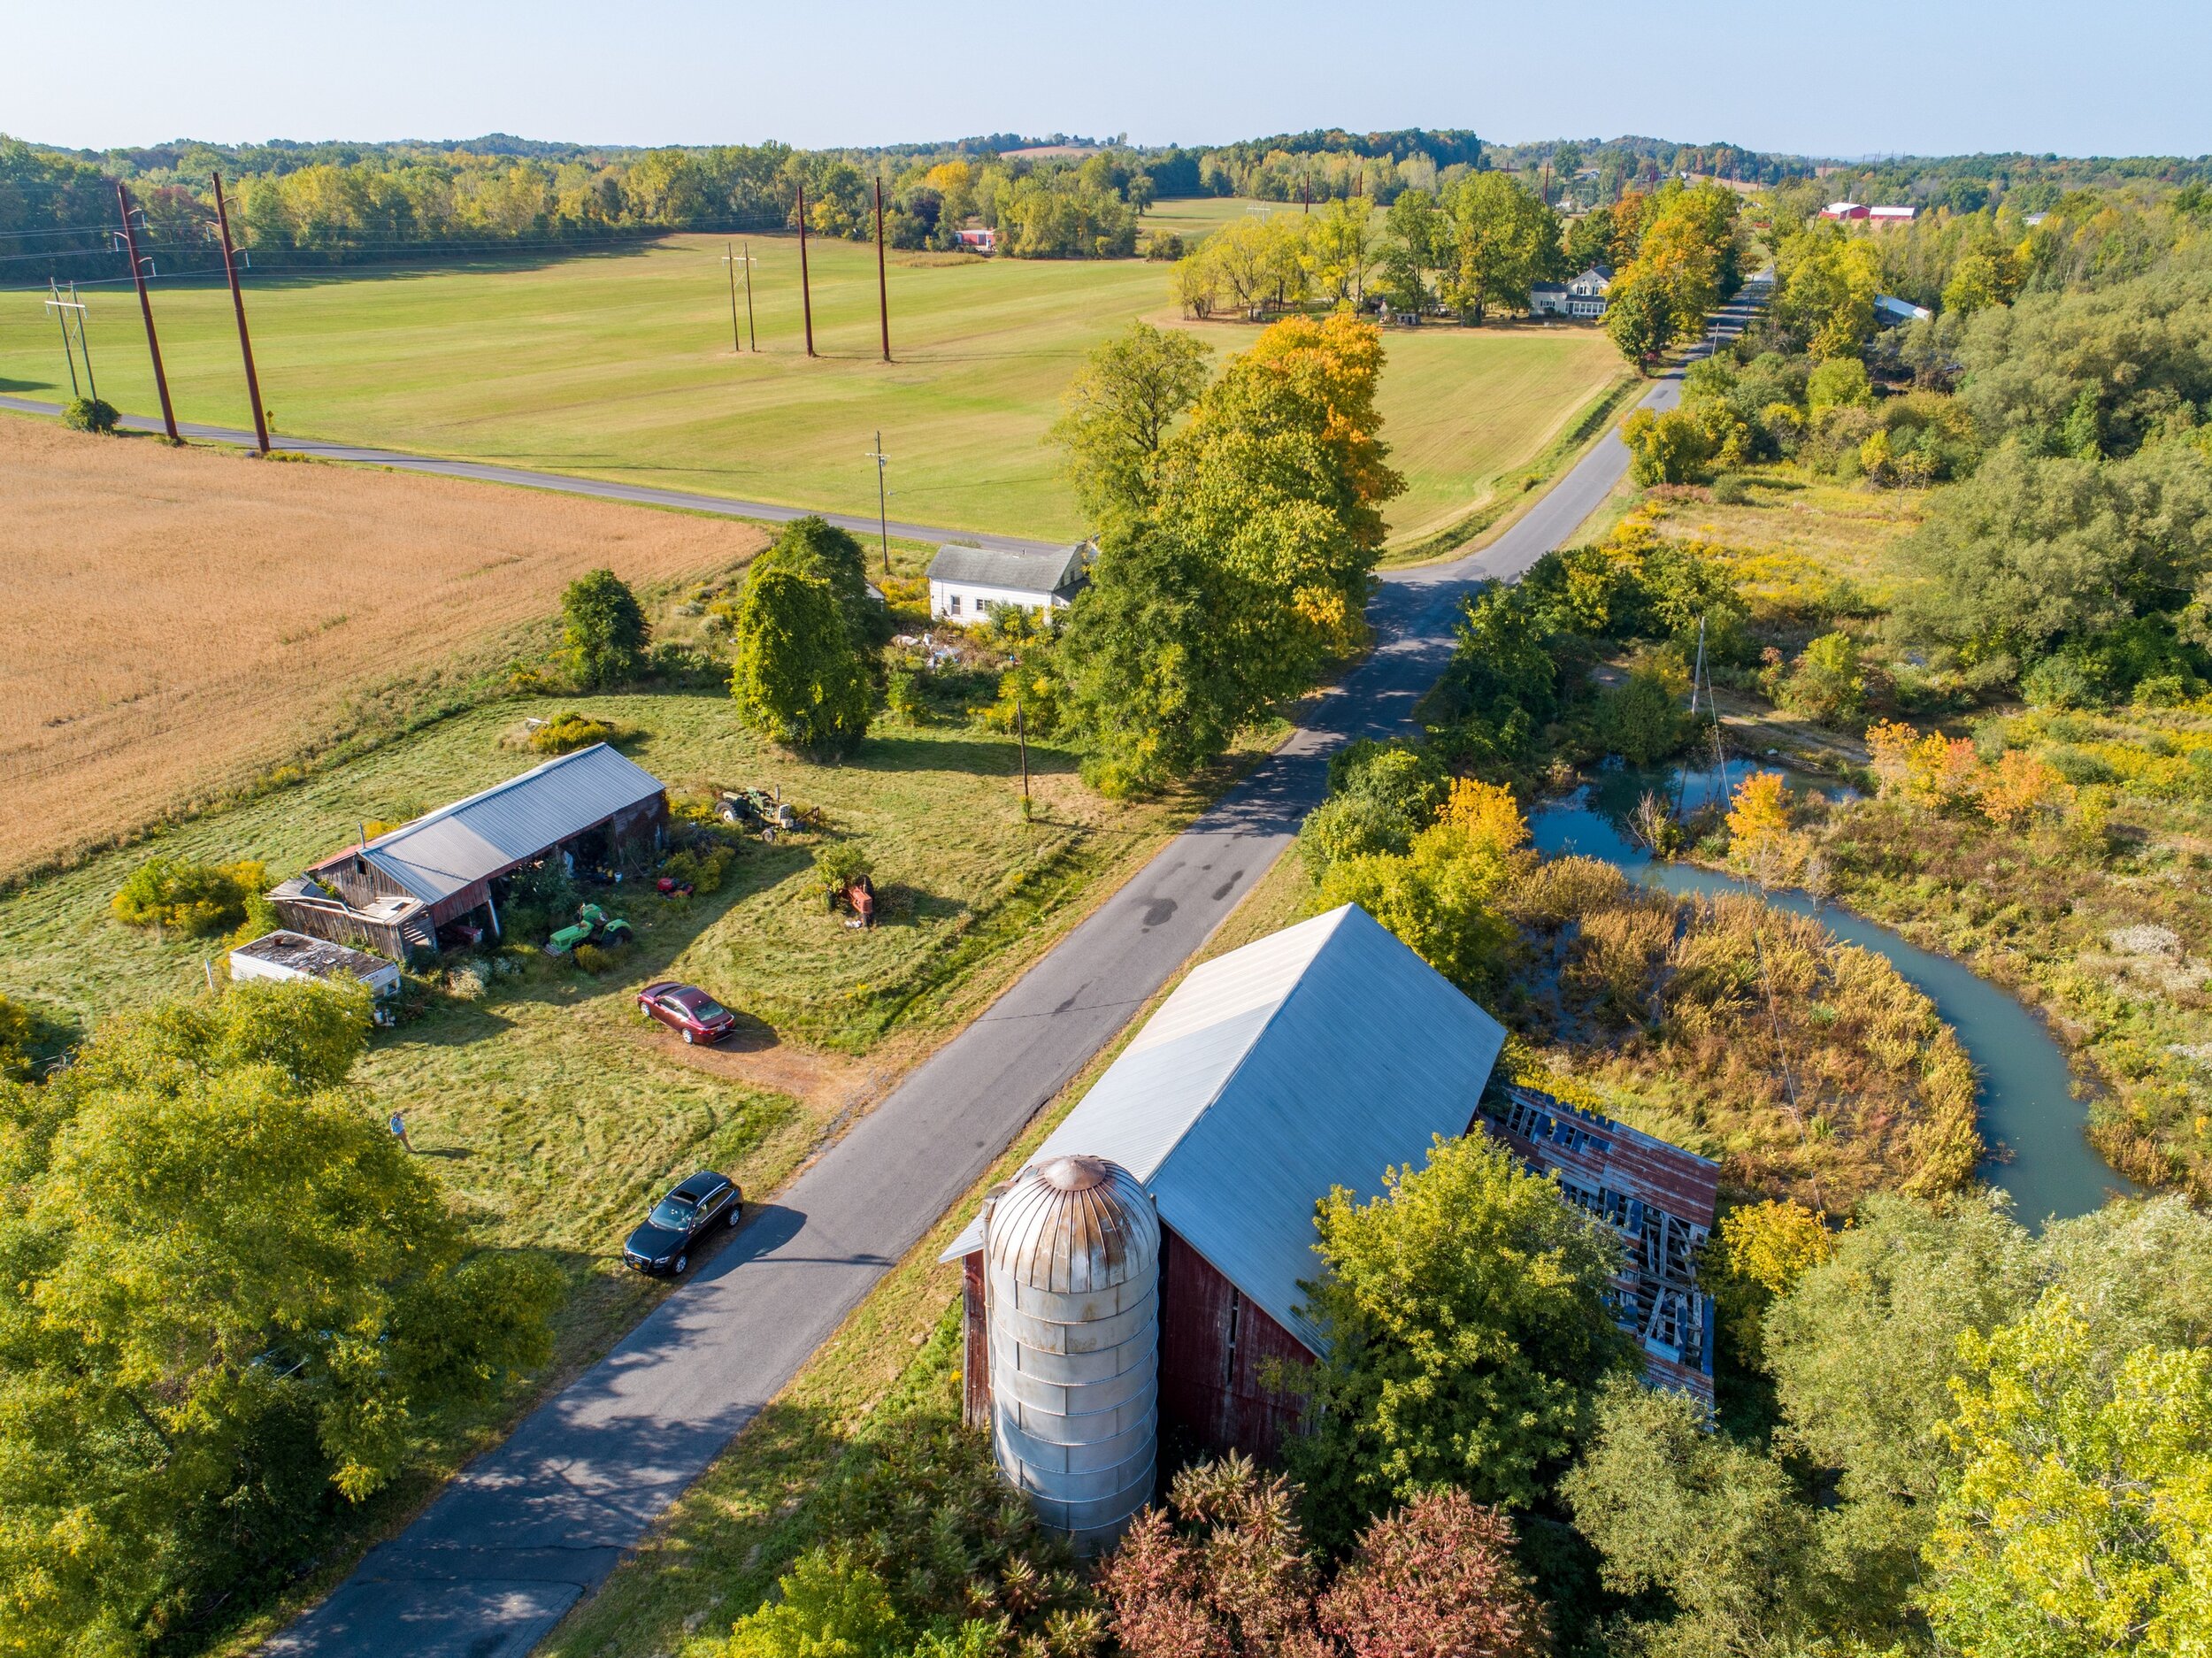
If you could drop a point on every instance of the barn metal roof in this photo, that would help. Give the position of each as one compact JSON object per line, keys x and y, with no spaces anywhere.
{"x":1314,"y":1058}
{"x":1020,"y":569}
{"x":437,"y":855}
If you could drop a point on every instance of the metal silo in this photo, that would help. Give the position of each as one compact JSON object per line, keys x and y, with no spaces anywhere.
{"x":1071,"y":1271}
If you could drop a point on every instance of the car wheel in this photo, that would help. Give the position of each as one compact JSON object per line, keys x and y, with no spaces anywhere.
{"x":737,"y":1213}
{"x":690,"y":1038}
{"x":682,"y":1261}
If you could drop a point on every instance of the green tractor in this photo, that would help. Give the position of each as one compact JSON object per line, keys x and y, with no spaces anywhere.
{"x":594,"y":926}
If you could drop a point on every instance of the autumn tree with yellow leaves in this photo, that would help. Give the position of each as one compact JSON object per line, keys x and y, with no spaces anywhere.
{"x":1241,"y":570}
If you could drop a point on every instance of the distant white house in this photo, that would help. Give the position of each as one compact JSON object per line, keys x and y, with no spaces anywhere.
{"x":966,"y":583}
{"x":1584,"y":297}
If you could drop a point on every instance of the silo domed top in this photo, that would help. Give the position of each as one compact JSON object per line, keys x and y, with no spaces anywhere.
{"x":1073,"y":1225}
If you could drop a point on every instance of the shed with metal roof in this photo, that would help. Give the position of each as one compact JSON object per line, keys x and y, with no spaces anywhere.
{"x":967,"y":583}
{"x":1315,"y":1058}
{"x":396,"y":889}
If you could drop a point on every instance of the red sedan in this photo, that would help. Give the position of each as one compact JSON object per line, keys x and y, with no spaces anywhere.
{"x":688,"y":1010}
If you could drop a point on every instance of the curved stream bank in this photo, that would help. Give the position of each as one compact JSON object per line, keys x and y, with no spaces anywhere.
{"x":2028,"y":1114}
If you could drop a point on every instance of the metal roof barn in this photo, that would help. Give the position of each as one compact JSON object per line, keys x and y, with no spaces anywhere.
{"x":1314,"y":1058}
{"x":1021,"y":570}
{"x":442,"y":853}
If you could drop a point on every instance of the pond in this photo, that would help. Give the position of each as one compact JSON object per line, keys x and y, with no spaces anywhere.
{"x":2028,"y":1117}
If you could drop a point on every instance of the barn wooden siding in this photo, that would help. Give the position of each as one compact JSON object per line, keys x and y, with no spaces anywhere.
{"x":1214,"y":1344}
{"x":975,"y":1347}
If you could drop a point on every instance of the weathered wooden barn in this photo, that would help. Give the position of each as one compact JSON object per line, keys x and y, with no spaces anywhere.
{"x":1659,"y":1197}
{"x":1315,"y":1058}
{"x":395,"y":892}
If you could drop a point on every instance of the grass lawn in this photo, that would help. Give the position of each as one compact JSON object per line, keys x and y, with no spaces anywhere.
{"x":717,"y":1553}
{"x":617,"y":364}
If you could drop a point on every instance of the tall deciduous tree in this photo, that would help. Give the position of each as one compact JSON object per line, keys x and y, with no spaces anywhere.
{"x":1503,"y":239}
{"x":1468,"y":1329}
{"x":1340,"y":250}
{"x":1715,"y":1526}
{"x":1118,"y":413}
{"x":228,"y":1301}
{"x":2080,"y":1520}
{"x":1418,"y":243}
{"x":796,"y":677}
{"x":603,"y":630}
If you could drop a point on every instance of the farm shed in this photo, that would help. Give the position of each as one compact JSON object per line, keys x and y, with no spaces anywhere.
{"x":1659,"y":1197}
{"x":966,"y":583}
{"x":1315,"y":1058}
{"x":395,"y":892}
{"x":292,"y":957}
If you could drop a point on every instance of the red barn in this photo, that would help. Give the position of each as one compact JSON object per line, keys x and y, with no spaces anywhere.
{"x":1315,"y":1058}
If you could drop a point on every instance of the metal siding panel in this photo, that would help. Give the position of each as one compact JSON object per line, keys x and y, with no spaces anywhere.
{"x":489,"y":833}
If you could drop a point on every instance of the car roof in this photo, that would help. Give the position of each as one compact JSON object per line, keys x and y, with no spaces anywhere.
{"x":700,"y":1183}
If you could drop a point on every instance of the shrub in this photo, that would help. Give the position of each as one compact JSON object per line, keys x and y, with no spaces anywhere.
{"x":192,"y":898}
{"x":1349,"y":826}
{"x":603,"y":632}
{"x":1641,"y":719}
{"x":1729,"y":491}
{"x":904,"y":699}
{"x":1826,"y":684}
{"x":2058,"y":682}
{"x":598,"y":958}
{"x":90,"y":414}
{"x":565,"y":733}
{"x":2078,"y":766}
{"x":705,"y":867}
{"x":836,"y":867}
{"x":1840,"y":382}
{"x":1671,"y":448}
{"x":17,"y":1033}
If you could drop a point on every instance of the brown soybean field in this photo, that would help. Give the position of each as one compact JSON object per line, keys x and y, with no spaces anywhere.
{"x":178,"y":620}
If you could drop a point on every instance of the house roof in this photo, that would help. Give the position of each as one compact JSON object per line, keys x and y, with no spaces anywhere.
{"x":1315,"y":1058}
{"x":1019,"y":569}
{"x":486,"y":835}
{"x":1900,"y":309}
{"x":296,"y":952}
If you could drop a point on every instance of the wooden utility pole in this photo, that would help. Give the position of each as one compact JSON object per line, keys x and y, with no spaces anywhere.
{"x":746,"y":253}
{"x":729,"y":257}
{"x":1021,"y":736}
{"x":806,"y":293}
{"x":238,"y":305}
{"x":883,"y":287}
{"x":146,"y":308}
{"x":883,"y":500}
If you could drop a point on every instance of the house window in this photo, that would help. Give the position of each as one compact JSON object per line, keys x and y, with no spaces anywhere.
{"x":952,"y":604}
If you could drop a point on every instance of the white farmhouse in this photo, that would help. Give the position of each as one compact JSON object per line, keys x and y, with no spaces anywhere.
{"x":966,"y":583}
{"x":1583,"y":297}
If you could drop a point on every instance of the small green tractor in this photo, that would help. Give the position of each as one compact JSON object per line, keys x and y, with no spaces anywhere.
{"x":594,"y":926}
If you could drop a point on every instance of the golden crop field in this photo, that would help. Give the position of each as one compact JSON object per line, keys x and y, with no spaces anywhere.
{"x":178,"y":620}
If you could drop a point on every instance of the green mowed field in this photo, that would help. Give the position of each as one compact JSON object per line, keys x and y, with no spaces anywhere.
{"x":556,"y":1108}
{"x":618,"y":365}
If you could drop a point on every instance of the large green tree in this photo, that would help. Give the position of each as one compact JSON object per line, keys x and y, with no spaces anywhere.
{"x":797,"y":678}
{"x":1117,"y":414}
{"x":1467,"y":1330}
{"x":229,"y":1303}
{"x":2079,"y":1521}
{"x":1503,"y":239}
{"x":1687,"y":1516}
{"x":603,"y":631}
{"x":813,"y":546}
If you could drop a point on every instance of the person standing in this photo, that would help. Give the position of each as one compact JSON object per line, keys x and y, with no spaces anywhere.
{"x":398,"y":1126}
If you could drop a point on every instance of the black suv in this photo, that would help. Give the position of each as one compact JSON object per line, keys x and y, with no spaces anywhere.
{"x":679,"y":1221}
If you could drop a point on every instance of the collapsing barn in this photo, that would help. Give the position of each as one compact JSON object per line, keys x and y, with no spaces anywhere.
{"x":1315,"y":1058}
{"x":1658,"y":1197}
{"x":395,"y":892}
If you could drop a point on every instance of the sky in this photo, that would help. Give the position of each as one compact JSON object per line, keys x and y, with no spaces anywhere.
{"x":1866,"y":77}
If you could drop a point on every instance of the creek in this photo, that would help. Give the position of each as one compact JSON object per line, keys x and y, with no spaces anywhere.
{"x":2028,"y":1117}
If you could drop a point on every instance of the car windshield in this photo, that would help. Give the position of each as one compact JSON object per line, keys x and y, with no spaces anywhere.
{"x":708,"y":1007}
{"x":674,"y":1213}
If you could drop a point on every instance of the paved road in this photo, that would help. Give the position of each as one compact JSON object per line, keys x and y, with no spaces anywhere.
{"x":484,"y":472}
{"x":528,"y":1529}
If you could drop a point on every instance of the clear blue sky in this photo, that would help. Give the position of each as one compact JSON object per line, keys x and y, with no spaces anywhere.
{"x":1935,"y":77}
